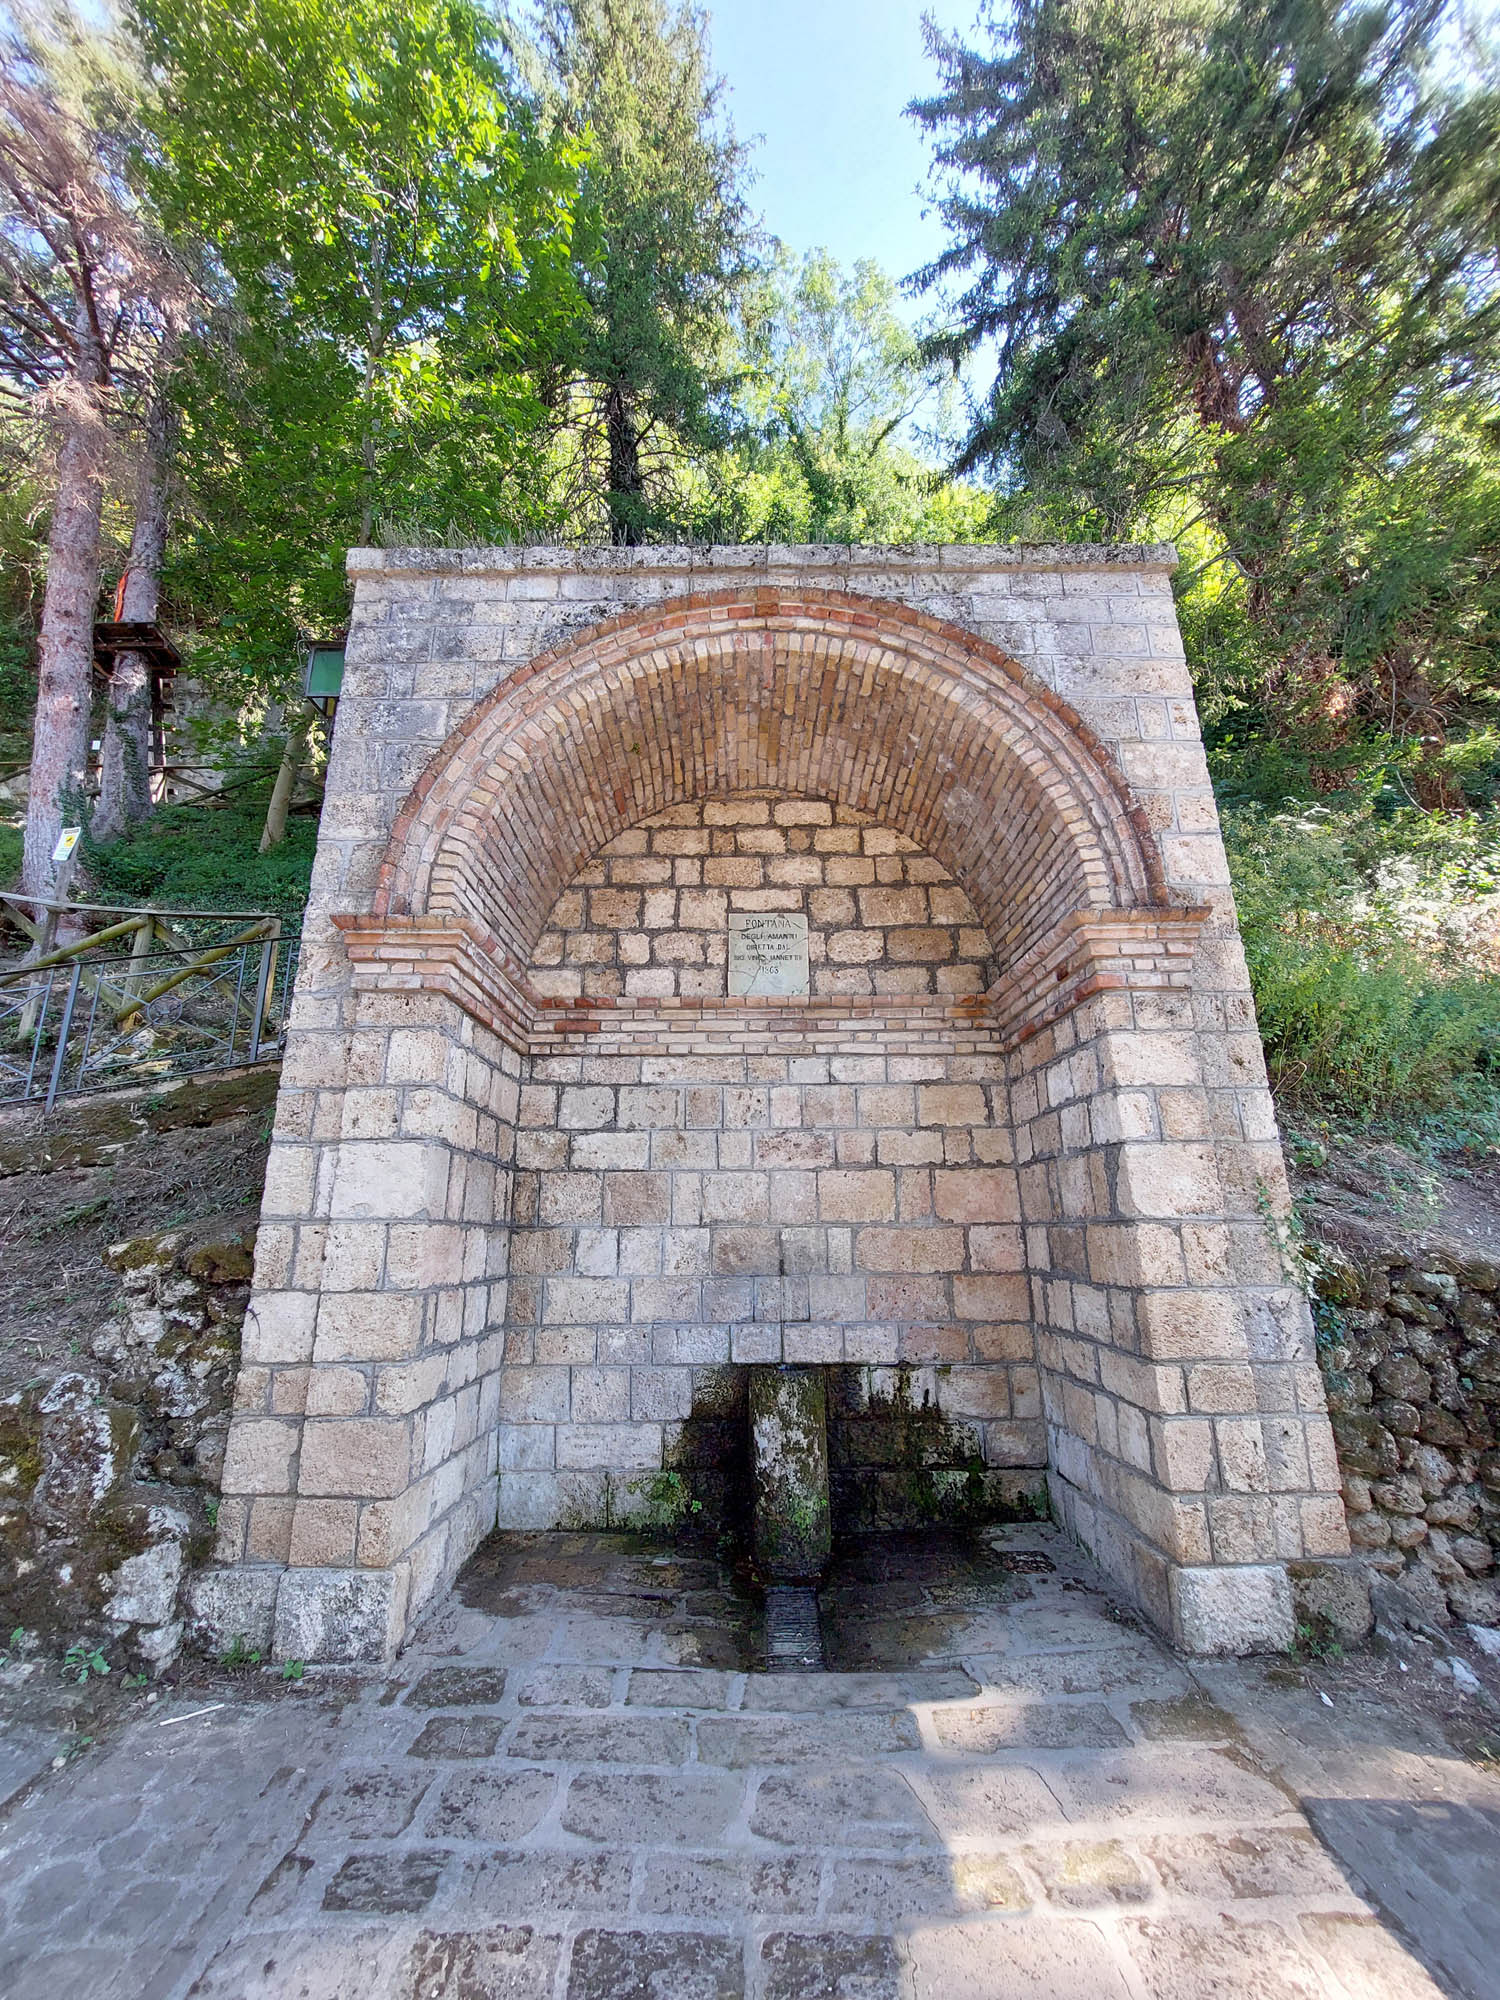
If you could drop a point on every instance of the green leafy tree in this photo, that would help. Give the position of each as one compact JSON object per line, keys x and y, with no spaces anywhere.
{"x":837,"y":404}
{"x":1238,"y":264}
{"x":665,"y":243}
{"x":389,"y":238}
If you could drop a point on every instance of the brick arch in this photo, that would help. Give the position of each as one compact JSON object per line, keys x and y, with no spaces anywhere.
{"x":822,"y":693}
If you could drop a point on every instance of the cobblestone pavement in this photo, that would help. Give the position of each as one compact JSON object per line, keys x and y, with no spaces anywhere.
{"x":575,"y":1787}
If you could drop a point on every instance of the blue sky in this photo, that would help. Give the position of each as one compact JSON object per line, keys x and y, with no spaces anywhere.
{"x":824,"y":82}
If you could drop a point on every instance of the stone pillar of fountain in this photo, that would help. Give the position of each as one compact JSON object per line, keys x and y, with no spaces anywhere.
{"x":789,"y":1473}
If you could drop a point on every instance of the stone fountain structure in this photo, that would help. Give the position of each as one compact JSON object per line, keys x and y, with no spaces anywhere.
{"x":770,"y":959}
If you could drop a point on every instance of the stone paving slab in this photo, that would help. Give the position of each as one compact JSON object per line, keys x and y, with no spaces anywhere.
{"x":516,"y":1812}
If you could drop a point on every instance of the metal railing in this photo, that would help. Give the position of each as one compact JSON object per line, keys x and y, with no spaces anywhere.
{"x":143,"y":1001}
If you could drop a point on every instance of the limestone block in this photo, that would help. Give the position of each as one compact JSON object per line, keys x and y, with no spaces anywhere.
{"x":324,"y":1532}
{"x":1225,"y":1388}
{"x":979,"y":1194}
{"x":807,"y":1341}
{"x":1016,"y":1444}
{"x":752,"y":1342}
{"x":975,"y":1392}
{"x":1232,"y":1609}
{"x":585,"y":1107}
{"x":914,"y":1249}
{"x":991,"y":1297}
{"x":857,"y":1196}
{"x":534,"y":1395}
{"x":952,"y":1104}
{"x":1183,"y":1453}
{"x":1171,"y":1181}
{"x":735,"y":1197}
{"x":268,"y":1532}
{"x":1242,"y":1454}
{"x":260,"y":1455}
{"x":392,"y":1179}
{"x":601,"y":1396}
{"x":367,"y":1457}
{"x":524,"y":1447}
{"x":656,"y":1299}
{"x":368,"y":1326}
{"x":353,"y":1256}
{"x":411,"y":1385}
{"x":556,"y":1198}
{"x":1324,"y":1525}
{"x":291,"y":1173}
{"x":340,"y":1616}
{"x":569,"y":1301}
{"x":997,"y":1249}
{"x":621,"y":1447}
{"x":660,"y":1394}
{"x":633,"y":1199}
{"x":1189,"y":1325}
{"x":225,"y":1605}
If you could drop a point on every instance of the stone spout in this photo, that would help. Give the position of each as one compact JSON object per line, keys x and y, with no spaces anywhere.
{"x":789,"y":1471}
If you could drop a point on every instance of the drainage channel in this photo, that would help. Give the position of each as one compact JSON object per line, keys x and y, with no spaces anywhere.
{"x":794,"y":1633}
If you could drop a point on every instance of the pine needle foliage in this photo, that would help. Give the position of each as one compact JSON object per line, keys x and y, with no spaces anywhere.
{"x":1239,"y":268}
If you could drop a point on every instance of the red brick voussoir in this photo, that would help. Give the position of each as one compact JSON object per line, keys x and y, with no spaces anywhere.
{"x":877,"y":705}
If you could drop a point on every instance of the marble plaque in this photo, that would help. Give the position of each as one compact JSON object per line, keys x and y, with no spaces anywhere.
{"x":767,"y":952}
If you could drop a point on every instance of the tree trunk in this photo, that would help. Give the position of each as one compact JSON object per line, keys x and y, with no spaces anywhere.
{"x":65,"y":644}
{"x":285,"y":785}
{"x":625,"y":482}
{"x":125,"y":763}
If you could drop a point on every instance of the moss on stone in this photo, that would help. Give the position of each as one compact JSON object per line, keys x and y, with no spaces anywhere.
{"x":20,"y":1450}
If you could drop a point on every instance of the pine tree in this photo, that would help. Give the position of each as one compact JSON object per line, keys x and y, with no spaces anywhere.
{"x":1238,"y":264}
{"x":664,"y":240}
{"x":85,"y":294}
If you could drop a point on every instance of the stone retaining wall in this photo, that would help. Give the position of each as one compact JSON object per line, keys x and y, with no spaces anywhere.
{"x":1410,"y":1352}
{"x":108,"y":1474}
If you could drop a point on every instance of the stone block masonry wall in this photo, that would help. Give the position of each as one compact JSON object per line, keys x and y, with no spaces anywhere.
{"x":695,"y":1194}
{"x":1187,"y":1426}
{"x":370,"y":1380}
{"x":692,"y":1195}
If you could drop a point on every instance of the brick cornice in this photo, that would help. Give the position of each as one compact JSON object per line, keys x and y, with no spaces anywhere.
{"x":1125,"y":951}
{"x":443,"y":954}
{"x":1128,"y":951}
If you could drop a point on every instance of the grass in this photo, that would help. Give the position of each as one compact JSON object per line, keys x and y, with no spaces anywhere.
{"x":207,"y":858}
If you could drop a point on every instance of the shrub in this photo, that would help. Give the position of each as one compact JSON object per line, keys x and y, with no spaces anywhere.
{"x":206,"y":858}
{"x":1372,"y":943}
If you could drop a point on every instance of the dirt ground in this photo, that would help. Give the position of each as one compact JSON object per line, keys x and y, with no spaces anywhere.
{"x":100,"y":1173}
{"x":1370,"y":1193}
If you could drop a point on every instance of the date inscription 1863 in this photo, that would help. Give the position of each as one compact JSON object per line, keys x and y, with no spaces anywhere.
{"x":767,"y":952}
